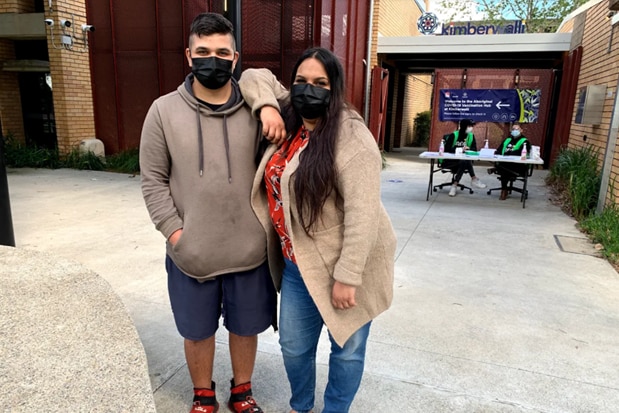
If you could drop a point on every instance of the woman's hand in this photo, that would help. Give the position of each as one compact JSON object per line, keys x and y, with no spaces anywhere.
{"x":343,"y":296}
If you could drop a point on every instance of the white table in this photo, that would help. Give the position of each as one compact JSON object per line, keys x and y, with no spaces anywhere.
{"x":433,"y":156}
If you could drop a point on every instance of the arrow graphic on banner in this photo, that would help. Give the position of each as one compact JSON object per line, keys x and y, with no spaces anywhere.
{"x":499,"y":105}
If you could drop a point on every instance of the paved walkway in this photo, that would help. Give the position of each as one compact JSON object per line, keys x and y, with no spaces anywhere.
{"x":496,"y":308}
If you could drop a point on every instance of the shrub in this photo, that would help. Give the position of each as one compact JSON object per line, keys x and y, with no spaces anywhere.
{"x":18,"y":155}
{"x":126,"y":162}
{"x":421,"y":132}
{"x":576,"y":174}
{"x":86,"y":160}
{"x":604,"y":229}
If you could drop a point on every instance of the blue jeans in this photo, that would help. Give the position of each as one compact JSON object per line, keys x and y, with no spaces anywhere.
{"x":300,"y":327}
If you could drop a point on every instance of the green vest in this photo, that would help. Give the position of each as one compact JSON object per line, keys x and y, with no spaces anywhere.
{"x":515,"y":147}
{"x":469,"y":138}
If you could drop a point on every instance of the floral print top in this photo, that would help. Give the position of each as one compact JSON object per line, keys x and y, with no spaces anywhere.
{"x":272,"y":179}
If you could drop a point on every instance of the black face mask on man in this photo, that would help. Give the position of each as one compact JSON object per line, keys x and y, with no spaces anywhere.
{"x":309,"y":101}
{"x":211,"y":72}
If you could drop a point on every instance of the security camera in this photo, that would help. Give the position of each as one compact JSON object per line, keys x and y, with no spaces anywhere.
{"x":88,"y":28}
{"x":49,"y":22}
{"x":65,"y":23}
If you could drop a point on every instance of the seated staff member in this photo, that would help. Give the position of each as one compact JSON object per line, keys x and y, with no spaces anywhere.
{"x":507,"y":171}
{"x":465,"y":139}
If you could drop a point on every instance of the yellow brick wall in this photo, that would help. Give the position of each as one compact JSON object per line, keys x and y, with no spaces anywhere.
{"x":16,"y":6}
{"x":416,"y":99}
{"x":398,"y":18}
{"x":393,"y":18}
{"x":71,"y":87}
{"x":599,"y":67}
{"x":10,"y":101}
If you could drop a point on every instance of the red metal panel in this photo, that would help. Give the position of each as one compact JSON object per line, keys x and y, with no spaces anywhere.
{"x":378,"y":114}
{"x":172,"y":66}
{"x":344,"y":31}
{"x":567,"y":99}
{"x":297,"y":34}
{"x":102,"y":75}
{"x":137,"y":53}
{"x":261,"y":25}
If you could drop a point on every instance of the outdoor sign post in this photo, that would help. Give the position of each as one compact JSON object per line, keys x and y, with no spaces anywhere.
{"x":6,"y":222}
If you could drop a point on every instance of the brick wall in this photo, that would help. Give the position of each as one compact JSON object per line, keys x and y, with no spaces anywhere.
{"x":71,"y":87}
{"x":398,"y":18}
{"x":599,"y":67}
{"x":16,"y":6}
{"x":10,"y":102}
{"x":416,"y":99}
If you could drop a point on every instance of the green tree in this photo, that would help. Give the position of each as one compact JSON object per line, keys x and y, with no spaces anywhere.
{"x":538,"y":15}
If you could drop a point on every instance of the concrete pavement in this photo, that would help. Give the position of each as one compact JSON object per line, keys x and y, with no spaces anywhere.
{"x":496,"y":308}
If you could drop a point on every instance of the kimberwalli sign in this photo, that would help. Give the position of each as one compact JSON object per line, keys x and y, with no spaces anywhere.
{"x":428,"y":23}
{"x":490,"y":105}
{"x":473,"y":28}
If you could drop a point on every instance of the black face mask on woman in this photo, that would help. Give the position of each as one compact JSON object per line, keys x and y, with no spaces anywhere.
{"x":211,"y":72}
{"x":309,"y":101}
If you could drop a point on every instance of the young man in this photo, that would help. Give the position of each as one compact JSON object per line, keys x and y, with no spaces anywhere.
{"x":197,"y":160}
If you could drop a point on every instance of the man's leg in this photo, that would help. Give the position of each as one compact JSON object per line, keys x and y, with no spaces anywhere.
{"x":243,"y":356}
{"x":200,"y":356}
{"x":249,"y":308}
{"x":196,"y":308}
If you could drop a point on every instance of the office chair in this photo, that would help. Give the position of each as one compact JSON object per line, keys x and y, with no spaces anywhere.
{"x":524,"y":192}
{"x":462,"y":187}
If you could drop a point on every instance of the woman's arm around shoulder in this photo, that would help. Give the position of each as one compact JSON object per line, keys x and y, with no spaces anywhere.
{"x":260,"y":88}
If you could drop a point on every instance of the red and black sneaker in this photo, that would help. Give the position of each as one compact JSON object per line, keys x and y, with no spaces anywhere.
{"x":204,"y":400}
{"x":241,"y":399}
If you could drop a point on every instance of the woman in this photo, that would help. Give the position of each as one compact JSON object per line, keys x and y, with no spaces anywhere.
{"x":461,"y":138}
{"x":511,"y":146}
{"x":318,"y":196}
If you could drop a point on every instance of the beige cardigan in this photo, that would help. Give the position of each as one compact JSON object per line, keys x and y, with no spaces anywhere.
{"x":354,"y":242}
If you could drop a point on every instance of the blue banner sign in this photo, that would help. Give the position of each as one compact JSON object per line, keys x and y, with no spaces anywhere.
{"x":490,"y":105}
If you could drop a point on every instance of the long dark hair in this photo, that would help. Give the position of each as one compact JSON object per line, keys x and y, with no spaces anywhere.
{"x":316,"y":176}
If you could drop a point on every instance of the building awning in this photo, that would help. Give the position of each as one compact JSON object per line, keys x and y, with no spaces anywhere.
{"x":426,"y":53}
{"x":524,"y":42}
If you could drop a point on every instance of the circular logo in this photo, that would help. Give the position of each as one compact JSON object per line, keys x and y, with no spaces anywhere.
{"x":427,"y":23}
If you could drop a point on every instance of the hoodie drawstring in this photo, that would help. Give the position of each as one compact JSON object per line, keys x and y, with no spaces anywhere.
{"x":201,"y":144}
{"x":227,"y":145}
{"x":200,"y":141}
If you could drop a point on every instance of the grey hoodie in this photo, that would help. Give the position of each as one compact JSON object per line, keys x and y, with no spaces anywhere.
{"x":197,"y":167}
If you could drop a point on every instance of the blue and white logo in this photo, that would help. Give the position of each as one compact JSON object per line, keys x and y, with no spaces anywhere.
{"x":427,"y":23}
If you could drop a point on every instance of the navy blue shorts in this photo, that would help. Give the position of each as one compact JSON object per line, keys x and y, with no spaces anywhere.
{"x":247,"y":300}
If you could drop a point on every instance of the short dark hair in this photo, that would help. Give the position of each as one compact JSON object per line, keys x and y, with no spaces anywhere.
{"x":206,"y":24}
